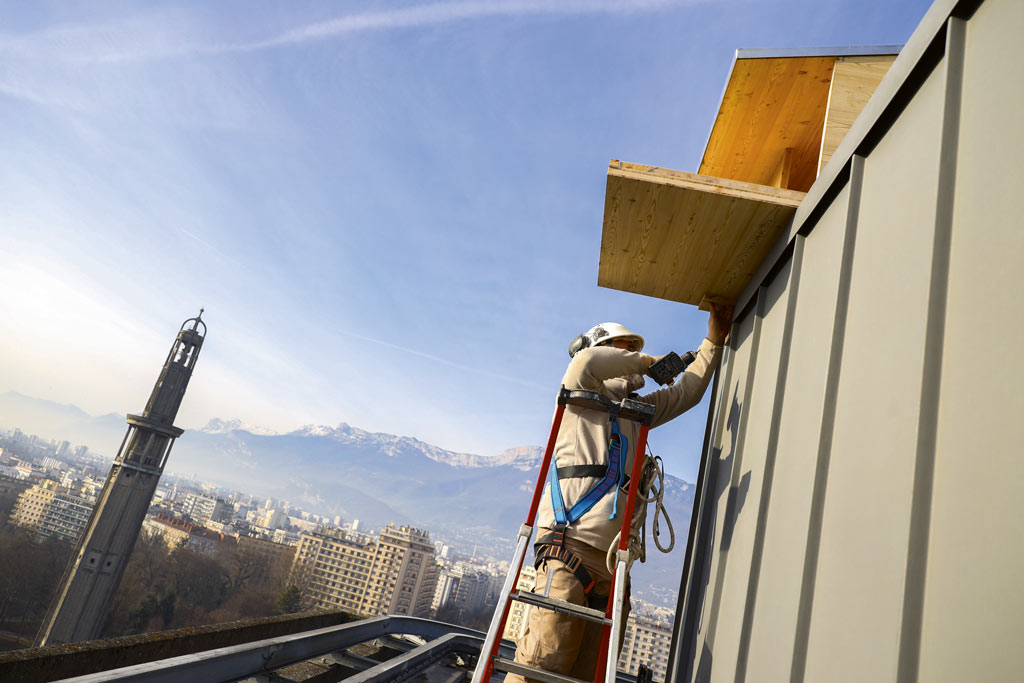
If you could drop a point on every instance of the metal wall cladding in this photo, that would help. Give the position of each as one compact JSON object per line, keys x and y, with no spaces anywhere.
{"x":859,"y":517}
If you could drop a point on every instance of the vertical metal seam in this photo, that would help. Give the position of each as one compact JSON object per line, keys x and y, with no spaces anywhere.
{"x":911,"y":626}
{"x":768,"y":477}
{"x":835,"y":360}
{"x":679,"y":627}
{"x":695,"y":606}
{"x":737,"y":463}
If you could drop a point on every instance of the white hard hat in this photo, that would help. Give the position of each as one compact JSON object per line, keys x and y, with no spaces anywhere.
{"x":604,"y":333}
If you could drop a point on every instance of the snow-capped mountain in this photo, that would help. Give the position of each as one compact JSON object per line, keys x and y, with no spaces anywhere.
{"x":219,"y":426}
{"x":374,"y":477}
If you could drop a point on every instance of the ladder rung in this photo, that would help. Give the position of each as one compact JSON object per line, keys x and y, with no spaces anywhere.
{"x":528,"y":672}
{"x":562,"y":606}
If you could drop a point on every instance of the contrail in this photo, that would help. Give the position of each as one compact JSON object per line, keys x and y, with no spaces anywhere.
{"x":444,"y":361}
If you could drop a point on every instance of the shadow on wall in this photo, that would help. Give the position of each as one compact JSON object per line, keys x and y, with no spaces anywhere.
{"x":736,"y":497}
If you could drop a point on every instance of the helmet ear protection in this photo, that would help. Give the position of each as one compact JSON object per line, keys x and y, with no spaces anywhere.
{"x":603,"y":334}
{"x":578,"y":344}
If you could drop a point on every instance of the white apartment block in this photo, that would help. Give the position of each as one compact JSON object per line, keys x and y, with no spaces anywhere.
{"x":519,"y":612}
{"x":53,"y":510}
{"x":647,"y":642}
{"x":392,"y":574}
{"x":461,"y":587}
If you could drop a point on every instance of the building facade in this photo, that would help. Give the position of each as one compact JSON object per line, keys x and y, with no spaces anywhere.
{"x":647,"y":641}
{"x":394,"y":573}
{"x":519,"y":612}
{"x":53,"y":511}
{"x":858,"y":500}
{"x":180,"y":533}
{"x":461,"y":590}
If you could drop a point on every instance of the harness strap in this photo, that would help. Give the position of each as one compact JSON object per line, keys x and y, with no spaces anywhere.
{"x":617,"y":450}
{"x":589,"y":472}
{"x":552,"y":546}
{"x":580,"y":471}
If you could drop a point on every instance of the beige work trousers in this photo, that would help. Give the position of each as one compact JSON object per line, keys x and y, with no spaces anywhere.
{"x":564,"y":643}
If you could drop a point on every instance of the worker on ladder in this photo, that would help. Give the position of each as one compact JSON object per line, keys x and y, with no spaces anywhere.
{"x":578,"y":518}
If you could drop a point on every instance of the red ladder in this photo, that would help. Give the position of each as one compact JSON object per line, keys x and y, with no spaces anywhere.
{"x":630,"y":409}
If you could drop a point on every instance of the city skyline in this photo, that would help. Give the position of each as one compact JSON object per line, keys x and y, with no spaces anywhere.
{"x":389,"y":214}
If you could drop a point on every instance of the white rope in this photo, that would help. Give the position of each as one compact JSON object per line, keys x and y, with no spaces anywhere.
{"x":650,"y":490}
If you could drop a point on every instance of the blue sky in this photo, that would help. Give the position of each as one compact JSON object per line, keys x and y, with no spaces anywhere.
{"x":391,"y":211}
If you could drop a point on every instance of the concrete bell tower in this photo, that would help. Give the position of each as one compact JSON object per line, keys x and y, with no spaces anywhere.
{"x":81,"y":605}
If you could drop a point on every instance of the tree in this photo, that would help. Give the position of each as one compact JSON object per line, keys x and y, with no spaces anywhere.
{"x":244,"y":564}
{"x":289,"y":601}
{"x":198,"y":579}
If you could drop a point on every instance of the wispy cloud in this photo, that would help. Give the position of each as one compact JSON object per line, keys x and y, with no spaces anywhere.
{"x":449,"y":12}
{"x":144,"y":41}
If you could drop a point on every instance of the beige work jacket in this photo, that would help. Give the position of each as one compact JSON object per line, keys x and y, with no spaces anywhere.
{"x":583,"y":436}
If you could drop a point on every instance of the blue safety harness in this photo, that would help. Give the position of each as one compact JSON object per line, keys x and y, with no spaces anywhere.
{"x":552,"y":545}
{"x":613,"y":477}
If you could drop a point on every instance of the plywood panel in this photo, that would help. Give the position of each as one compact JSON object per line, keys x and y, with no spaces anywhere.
{"x":865,"y":523}
{"x":854,"y":80}
{"x":685,"y":237}
{"x":973,"y":604}
{"x":769,"y":105}
{"x":775,"y":614}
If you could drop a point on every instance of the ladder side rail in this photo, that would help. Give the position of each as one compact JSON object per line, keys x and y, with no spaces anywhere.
{"x":613,"y":611}
{"x":546,"y":463}
{"x":492,"y":643}
{"x":489,"y":650}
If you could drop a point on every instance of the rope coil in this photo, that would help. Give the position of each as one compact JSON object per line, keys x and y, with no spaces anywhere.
{"x":651,"y":489}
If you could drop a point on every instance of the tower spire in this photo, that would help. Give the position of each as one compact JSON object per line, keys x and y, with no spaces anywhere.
{"x":82,"y":603}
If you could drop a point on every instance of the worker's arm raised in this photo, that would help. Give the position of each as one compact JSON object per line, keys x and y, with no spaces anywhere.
{"x":689,"y":388}
{"x":589,"y":368}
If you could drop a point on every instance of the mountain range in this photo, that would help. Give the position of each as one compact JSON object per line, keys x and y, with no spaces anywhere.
{"x":378,"y":478}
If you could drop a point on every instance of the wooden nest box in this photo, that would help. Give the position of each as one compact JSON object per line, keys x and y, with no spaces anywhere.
{"x":699,"y":237}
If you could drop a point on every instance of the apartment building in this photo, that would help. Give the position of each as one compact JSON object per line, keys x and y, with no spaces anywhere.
{"x":462,"y":588}
{"x":647,"y":642}
{"x":53,"y":511}
{"x":519,"y":612}
{"x":332,"y":568}
{"x":202,"y":507}
{"x":345,"y":570}
{"x":403,"y":574}
{"x":180,"y":533}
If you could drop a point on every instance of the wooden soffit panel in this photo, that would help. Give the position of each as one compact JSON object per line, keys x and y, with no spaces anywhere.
{"x":687,"y":237}
{"x":854,"y":81}
{"x":769,"y":125}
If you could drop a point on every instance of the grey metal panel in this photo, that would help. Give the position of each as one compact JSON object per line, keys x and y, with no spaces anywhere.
{"x":720,"y":493}
{"x":924,"y":466}
{"x":824,"y":450}
{"x":773,"y":626}
{"x":680,"y":653}
{"x":701,"y":548}
{"x":973,"y":613}
{"x":898,"y":468}
{"x":862,"y":560}
{"x":748,"y":474}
